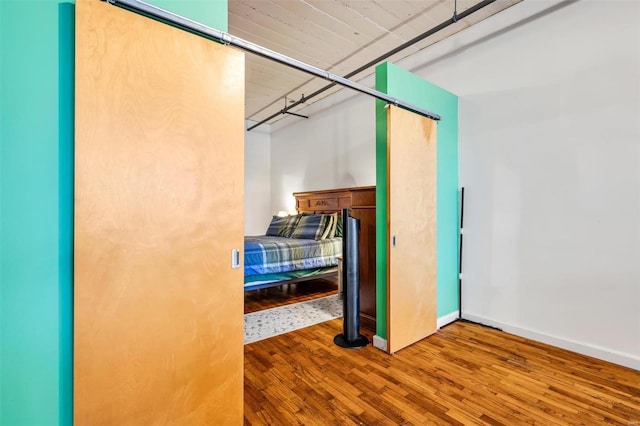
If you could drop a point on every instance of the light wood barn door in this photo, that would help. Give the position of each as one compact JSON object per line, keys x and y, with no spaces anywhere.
{"x":158,"y":335}
{"x":411,"y":293}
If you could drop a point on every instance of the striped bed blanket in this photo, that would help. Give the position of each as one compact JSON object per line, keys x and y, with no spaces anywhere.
{"x":267,"y":255}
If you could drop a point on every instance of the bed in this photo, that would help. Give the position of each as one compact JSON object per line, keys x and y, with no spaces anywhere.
{"x":276,"y":260}
{"x":361,"y":204}
{"x":294,"y":248}
{"x":273,"y":260}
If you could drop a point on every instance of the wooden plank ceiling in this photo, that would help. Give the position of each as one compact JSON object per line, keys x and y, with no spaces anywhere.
{"x":335,"y":35}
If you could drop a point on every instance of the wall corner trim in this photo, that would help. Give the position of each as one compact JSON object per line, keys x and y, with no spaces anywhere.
{"x":380,"y":343}
{"x":448,"y":319}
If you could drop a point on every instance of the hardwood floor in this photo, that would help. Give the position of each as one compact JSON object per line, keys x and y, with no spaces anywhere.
{"x":258,"y":300}
{"x":464,"y":374}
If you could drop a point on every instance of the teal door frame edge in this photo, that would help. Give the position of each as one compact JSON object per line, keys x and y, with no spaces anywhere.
{"x":66,"y":104}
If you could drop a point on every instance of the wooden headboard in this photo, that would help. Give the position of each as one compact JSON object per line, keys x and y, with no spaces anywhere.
{"x":334,"y":200}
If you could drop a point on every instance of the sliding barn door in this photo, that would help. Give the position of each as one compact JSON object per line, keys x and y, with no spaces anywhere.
{"x":158,"y":209}
{"x":411,"y":299}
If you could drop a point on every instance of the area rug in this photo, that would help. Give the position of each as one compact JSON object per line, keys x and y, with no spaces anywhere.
{"x":283,"y":319}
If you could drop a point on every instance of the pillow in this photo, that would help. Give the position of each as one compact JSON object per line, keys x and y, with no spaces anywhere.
{"x":290,"y":225}
{"x":277,"y":222}
{"x":339,"y":226}
{"x":311,"y":227}
{"x":330,"y":231}
{"x":282,"y":226}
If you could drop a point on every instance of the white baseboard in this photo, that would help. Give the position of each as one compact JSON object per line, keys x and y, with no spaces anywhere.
{"x":380,"y":343}
{"x":448,"y":319}
{"x":616,"y":357}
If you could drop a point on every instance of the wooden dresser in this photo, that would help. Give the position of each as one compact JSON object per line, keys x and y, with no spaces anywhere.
{"x":361,"y":202}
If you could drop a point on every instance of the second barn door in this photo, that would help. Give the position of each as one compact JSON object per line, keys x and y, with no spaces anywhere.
{"x":411,"y":210}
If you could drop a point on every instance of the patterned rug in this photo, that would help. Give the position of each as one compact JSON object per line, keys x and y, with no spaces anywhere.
{"x":283,"y":319}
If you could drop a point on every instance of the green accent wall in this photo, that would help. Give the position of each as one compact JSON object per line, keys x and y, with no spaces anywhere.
{"x":213,"y":13}
{"x":410,"y":88}
{"x":36,"y":204}
{"x":35,"y":268}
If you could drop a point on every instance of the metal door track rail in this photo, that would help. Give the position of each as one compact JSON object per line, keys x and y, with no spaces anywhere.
{"x":202,"y":30}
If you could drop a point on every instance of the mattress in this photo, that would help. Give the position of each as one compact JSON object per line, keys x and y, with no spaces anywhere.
{"x":273,"y":255}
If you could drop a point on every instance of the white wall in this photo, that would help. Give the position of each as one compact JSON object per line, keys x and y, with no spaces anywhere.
{"x":334,"y":148}
{"x":257,"y":180}
{"x":550,"y":159}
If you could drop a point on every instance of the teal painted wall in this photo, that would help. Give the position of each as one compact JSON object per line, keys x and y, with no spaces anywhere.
{"x":35,"y":274}
{"x":410,"y":88}
{"x":213,"y":13}
{"x":36,"y":204}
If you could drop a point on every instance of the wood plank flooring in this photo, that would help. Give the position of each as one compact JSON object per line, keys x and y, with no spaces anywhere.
{"x":464,"y":374}
{"x":258,"y":300}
